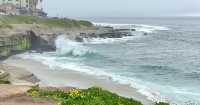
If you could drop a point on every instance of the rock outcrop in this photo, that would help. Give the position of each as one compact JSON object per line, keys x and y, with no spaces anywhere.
{"x":4,"y":75}
{"x":13,"y":44}
{"x":17,"y":75}
{"x":22,"y":37}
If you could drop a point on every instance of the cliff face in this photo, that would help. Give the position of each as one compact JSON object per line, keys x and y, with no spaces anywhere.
{"x":23,"y":37}
{"x":13,"y":44}
{"x":19,"y":33}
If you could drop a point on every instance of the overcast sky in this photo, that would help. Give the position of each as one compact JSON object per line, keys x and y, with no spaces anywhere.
{"x":121,"y":8}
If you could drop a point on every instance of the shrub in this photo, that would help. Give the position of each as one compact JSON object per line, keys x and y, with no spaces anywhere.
{"x":34,"y":91}
{"x":62,"y":22}
{"x":162,"y":103}
{"x":4,"y":82}
{"x":86,"y":23}
{"x":91,"y":96}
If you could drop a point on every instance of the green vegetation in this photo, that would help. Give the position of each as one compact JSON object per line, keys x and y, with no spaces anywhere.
{"x":4,"y":52}
{"x":4,"y":82}
{"x":64,"y":22}
{"x":24,"y":43}
{"x":4,"y":25}
{"x":14,"y":43}
{"x":91,"y":96}
{"x":162,"y":103}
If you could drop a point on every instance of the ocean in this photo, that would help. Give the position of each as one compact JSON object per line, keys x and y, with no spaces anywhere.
{"x":162,"y":65}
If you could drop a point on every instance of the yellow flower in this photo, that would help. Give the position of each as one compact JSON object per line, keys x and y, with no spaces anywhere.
{"x":34,"y":94}
{"x":59,"y":103}
{"x":76,"y":93}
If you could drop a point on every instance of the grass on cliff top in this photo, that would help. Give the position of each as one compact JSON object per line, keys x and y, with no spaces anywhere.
{"x":162,"y":103}
{"x":91,"y":96}
{"x":64,"y":22}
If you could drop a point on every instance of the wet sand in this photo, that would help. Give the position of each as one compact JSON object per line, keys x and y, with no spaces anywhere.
{"x":70,"y":78}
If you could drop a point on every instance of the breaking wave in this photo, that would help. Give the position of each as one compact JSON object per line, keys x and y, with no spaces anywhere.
{"x":55,"y":62}
{"x":66,"y":47}
{"x":69,"y":56}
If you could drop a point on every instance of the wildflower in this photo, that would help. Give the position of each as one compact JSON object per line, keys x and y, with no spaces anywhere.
{"x":76,"y":93}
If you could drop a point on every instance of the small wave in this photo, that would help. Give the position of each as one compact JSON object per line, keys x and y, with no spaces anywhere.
{"x":146,"y":88}
{"x":143,"y":87}
{"x":139,"y":33}
{"x":138,"y":27}
{"x":66,"y":47}
{"x":54,"y":63}
{"x":108,"y":40}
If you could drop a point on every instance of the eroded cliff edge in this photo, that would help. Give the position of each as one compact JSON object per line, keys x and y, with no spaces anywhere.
{"x":20,"y":33}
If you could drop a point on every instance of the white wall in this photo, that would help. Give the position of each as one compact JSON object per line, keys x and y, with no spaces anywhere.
{"x":39,"y":5}
{"x":11,"y":1}
{"x":23,"y":3}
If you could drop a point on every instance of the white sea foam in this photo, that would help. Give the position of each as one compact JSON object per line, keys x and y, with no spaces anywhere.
{"x":58,"y":60}
{"x":133,"y":82}
{"x":65,"y":46}
{"x":138,"y":27}
{"x":109,"y":40}
{"x":139,"y":33}
{"x":143,"y":87}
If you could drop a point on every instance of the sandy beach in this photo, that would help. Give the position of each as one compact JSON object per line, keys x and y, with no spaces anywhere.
{"x":69,"y":78}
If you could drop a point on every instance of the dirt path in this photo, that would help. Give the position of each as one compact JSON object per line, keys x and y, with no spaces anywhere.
{"x":25,"y":100}
{"x":15,"y":95}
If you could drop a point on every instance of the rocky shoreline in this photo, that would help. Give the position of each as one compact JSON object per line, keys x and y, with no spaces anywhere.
{"x":23,"y":37}
{"x":28,"y":37}
{"x":18,"y":38}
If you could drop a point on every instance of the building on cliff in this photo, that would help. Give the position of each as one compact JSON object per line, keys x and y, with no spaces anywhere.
{"x":22,"y":7}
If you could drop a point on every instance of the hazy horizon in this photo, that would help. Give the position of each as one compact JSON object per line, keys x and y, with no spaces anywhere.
{"x":122,"y":8}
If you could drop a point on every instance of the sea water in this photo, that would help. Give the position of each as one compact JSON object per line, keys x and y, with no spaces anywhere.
{"x":163,"y":65}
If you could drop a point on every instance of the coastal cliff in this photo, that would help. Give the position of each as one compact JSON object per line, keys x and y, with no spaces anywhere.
{"x":14,"y":43}
{"x":20,"y":33}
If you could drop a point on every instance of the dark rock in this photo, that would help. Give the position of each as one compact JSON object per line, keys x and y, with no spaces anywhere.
{"x":145,"y":33}
{"x":79,"y":39}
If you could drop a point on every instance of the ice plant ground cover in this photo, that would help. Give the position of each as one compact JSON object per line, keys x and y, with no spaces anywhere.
{"x":91,"y":96}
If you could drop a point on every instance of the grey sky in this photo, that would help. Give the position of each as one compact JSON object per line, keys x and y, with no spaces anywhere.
{"x":121,"y":8}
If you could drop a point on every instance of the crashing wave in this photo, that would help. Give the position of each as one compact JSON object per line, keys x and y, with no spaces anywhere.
{"x":66,"y":47}
{"x":54,"y":63}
